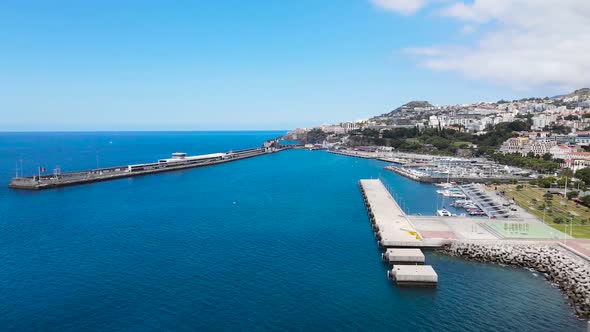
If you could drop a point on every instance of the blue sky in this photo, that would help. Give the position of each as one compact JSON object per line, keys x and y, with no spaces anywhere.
{"x":203,"y":65}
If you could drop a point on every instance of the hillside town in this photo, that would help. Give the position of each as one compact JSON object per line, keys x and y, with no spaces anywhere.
{"x":556,"y":128}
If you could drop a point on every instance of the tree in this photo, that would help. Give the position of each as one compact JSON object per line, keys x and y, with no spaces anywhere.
{"x":545,"y":182}
{"x":586,"y":200}
{"x":572,"y":194}
{"x":567,"y":173}
{"x":548,"y":196}
{"x":315,"y":136}
{"x":547,"y":156}
{"x":558,"y":220}
{"x":584,"y":175}
{"x":519,"y":187}
{"x":439,"y":142}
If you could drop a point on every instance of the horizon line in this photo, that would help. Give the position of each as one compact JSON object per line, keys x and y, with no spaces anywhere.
{"x":138,"y":131}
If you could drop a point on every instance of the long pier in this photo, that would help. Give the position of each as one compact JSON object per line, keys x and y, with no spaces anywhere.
{"x":118,"y":172}
{"x":391,"y":225}
{"x":393,"y":230}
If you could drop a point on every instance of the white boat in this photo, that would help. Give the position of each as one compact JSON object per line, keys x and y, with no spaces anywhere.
{"x":445,"y":185}
{"x":444,"y":213}
{"x":457,"y":195}
{"x":453,"y":193}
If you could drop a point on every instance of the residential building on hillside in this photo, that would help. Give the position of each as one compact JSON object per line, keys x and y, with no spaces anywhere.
{"x":564,"y":151}
{"x":514,"y":145}
{"x":577,"y":164}
{"x":539,"y":147}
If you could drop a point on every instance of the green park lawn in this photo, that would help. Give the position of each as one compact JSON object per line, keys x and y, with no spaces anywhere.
{"x":558,"y":213}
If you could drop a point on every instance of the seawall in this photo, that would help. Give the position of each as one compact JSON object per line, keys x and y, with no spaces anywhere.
{"x":570,"y":272}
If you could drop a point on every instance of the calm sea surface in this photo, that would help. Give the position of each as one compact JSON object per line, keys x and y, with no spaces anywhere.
{"x":278,"y":242}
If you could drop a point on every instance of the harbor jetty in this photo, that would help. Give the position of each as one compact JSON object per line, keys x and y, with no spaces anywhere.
{"x":392,"y":230}
{"x":392,"y":226}
{"x":558,"y":264}
{"x":178,"y":161}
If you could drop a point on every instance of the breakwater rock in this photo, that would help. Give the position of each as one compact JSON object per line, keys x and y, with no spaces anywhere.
{"x":570,"y":272}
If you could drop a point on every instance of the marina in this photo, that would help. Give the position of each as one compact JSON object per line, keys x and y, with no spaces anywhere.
{"x":437,"y":169}
{"x":432,"y":174}
{"x":482,"y":203}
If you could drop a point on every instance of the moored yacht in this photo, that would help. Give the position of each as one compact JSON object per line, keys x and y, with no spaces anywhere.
{"x":444,"y":213}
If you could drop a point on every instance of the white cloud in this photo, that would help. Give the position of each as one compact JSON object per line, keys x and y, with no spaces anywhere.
{"x":423,"y":51}
{"x":405,"y":7}
{"x":526,"y":43}
{"x":468,"y":29}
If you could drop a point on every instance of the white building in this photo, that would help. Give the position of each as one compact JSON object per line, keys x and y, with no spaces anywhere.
{"x":433,"y":121}
{"x":514,"y":145}
{"x":564,"y":151}
{"x":524,"y":145}
{"x":333,"y":129}
{"x":576,"y":164}
{"x":348,"y":126}
{"x":539,"y":147}
{"x":543,"y":120}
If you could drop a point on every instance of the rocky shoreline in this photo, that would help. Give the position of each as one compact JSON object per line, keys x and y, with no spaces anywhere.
{"x":569,"y":272}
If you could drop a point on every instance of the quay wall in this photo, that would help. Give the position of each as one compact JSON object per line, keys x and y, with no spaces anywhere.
{"x":438,"y":179}
{"x":357,"y":154}
{"x":570,"y":272}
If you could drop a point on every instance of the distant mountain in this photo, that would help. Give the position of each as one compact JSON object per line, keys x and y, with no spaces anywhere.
{"x":585,"y":93}
{"x":582,"y":93}
{"x":409,"y":107}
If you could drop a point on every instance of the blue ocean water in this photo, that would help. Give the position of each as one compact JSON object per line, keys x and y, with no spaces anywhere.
{"x":278,"y":242}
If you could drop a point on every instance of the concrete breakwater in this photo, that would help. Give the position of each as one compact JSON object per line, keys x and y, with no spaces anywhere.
{"x":569,"y":272}
{"x":117,"y":172}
